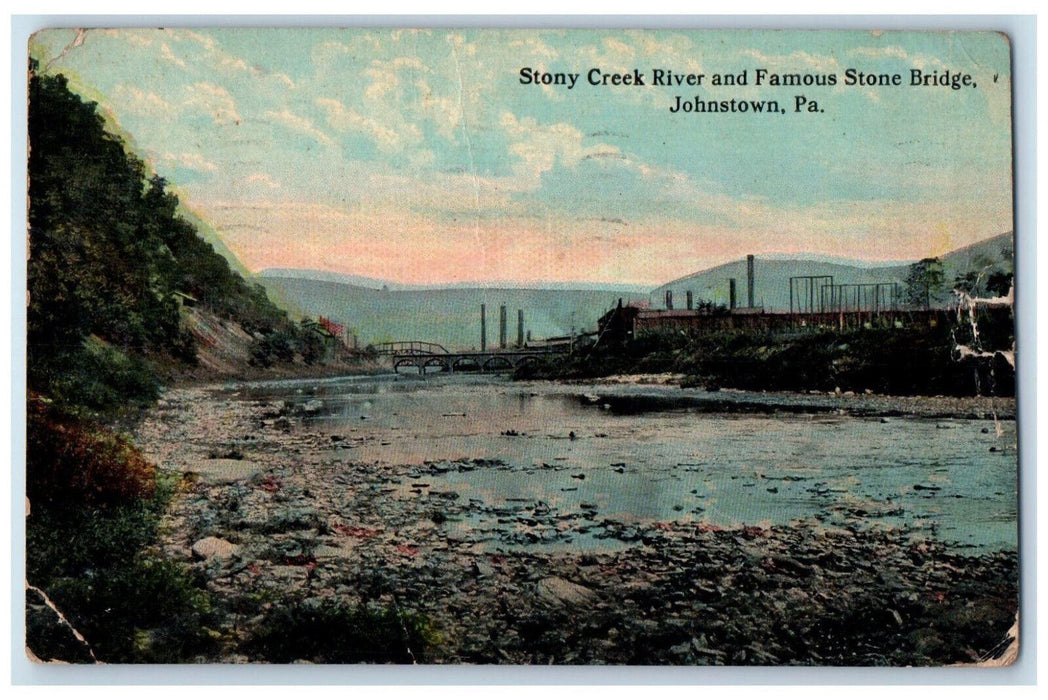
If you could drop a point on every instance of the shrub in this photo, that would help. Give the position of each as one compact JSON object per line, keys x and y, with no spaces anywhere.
{"x":326,"y":631}
{"x":70,"y":462}
{"x":131,"y":605}
{"x":93,"y":378}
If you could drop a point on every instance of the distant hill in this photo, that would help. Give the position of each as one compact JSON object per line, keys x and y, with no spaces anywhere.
{"x":378,"y":310}
{"x":772,"y":274}
{"x":325,"y":276}
{"x":449,"y":316}
{"x":992,"y":254}
{"x":373,"y":283}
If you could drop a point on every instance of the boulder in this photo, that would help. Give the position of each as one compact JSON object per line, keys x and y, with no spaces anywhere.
{"x":557,"y":590}
{"x":213,"y":547}
{"x":223,"y":471}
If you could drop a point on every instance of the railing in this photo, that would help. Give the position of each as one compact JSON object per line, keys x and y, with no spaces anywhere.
{"x":409,"y":347}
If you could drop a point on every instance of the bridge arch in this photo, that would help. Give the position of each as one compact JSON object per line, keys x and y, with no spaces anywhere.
{"x":433,"y":361}
{"x":497,"y":362}
{"x":466,"y":364}
{"x":405,"y":362}
{"x":421,"y":363}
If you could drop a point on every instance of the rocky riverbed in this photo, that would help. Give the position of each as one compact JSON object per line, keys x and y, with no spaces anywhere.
{"x":282,"y":522}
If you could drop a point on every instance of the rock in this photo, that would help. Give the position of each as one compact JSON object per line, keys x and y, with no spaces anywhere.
{"x":790,"y":565}
{"x":554,"y":589}
{"x":291,"y":518}
{"x":223,"y":471}
{"x":681,"y":649}
{"x":483,"y":569}
{"x":213,"y":547}
{"x":343,"y":551}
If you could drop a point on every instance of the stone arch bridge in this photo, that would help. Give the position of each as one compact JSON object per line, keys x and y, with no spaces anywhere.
{"x":426,"y":356}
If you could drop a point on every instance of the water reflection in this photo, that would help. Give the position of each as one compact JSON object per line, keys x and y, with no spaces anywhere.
{"x":647,"y":453}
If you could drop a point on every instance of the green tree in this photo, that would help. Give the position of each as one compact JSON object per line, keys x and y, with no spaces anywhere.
{"x":110,"y":257}
{"x":924,"y":282}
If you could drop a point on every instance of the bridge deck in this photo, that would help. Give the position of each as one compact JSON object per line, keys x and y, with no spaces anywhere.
{"x":487,"y":361}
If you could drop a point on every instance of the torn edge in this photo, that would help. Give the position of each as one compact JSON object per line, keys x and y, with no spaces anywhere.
{"x":63,"y":620}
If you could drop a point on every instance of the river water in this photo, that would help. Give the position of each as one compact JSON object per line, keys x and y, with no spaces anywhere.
{"x":656,"y":453}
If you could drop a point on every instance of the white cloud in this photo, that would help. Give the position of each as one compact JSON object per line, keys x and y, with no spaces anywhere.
{"x":168,"y":55}
{"x":917,"y":60}
{"x":263,"y":179}
{"x":188,"y":34}
{"x":540,"y":146}
{"x":284,"y":79}
{"x":533,"y":47}
{"x":344,"y":119}
{"x":302,"y":125}
{"x":139,"y":102}
{"x":192,"y":161}
{"x":795,"y":62}
{"x":232,"y":63}
{"x":135,"y":37}
{"x":618,"y":47}
{"x":213,"y":100}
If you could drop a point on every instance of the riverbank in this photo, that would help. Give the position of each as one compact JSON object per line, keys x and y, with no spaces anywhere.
{"x":841,"y":402}
{"x":916,"y":360}
{"x":284,"y":524}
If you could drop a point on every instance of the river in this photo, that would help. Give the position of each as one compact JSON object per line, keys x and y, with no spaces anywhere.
{"x":645,"y":453}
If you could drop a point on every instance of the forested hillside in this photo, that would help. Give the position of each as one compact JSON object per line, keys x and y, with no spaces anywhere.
{"x":112,"y":265}
{"x":112,"y":261}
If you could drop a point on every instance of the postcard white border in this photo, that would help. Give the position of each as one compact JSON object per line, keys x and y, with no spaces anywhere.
{"x":1022,"y":32}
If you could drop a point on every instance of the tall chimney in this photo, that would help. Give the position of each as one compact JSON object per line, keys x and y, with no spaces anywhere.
{"x":520,"y":328}
{"x":691,"y":300}
{"x":502,"y":326}
{"x":749,"y":281}
{"x":483,"y":329}
{"x":731,"y":293}
{"x":669,"y":299}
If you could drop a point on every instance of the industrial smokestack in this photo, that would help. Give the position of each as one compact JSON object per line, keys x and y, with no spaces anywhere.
{"x":690,"y":300}
{"x":520,"y":328}
{"x":669,"y":299}
{"x":502,"y":326}
{"x":731,"y":293}
{"x":749,"y":281}
{"x":483,"y":328}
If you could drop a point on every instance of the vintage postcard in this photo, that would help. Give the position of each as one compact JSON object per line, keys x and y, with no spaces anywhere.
{"x":522,"y":346}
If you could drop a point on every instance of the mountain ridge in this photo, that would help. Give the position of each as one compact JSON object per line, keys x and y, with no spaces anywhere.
{"x":450,"y":314}
{"x":799,"y":259}
{"x":772,"y":274}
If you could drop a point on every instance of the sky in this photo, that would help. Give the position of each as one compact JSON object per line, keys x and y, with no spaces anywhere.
{"x":421,"y":157}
